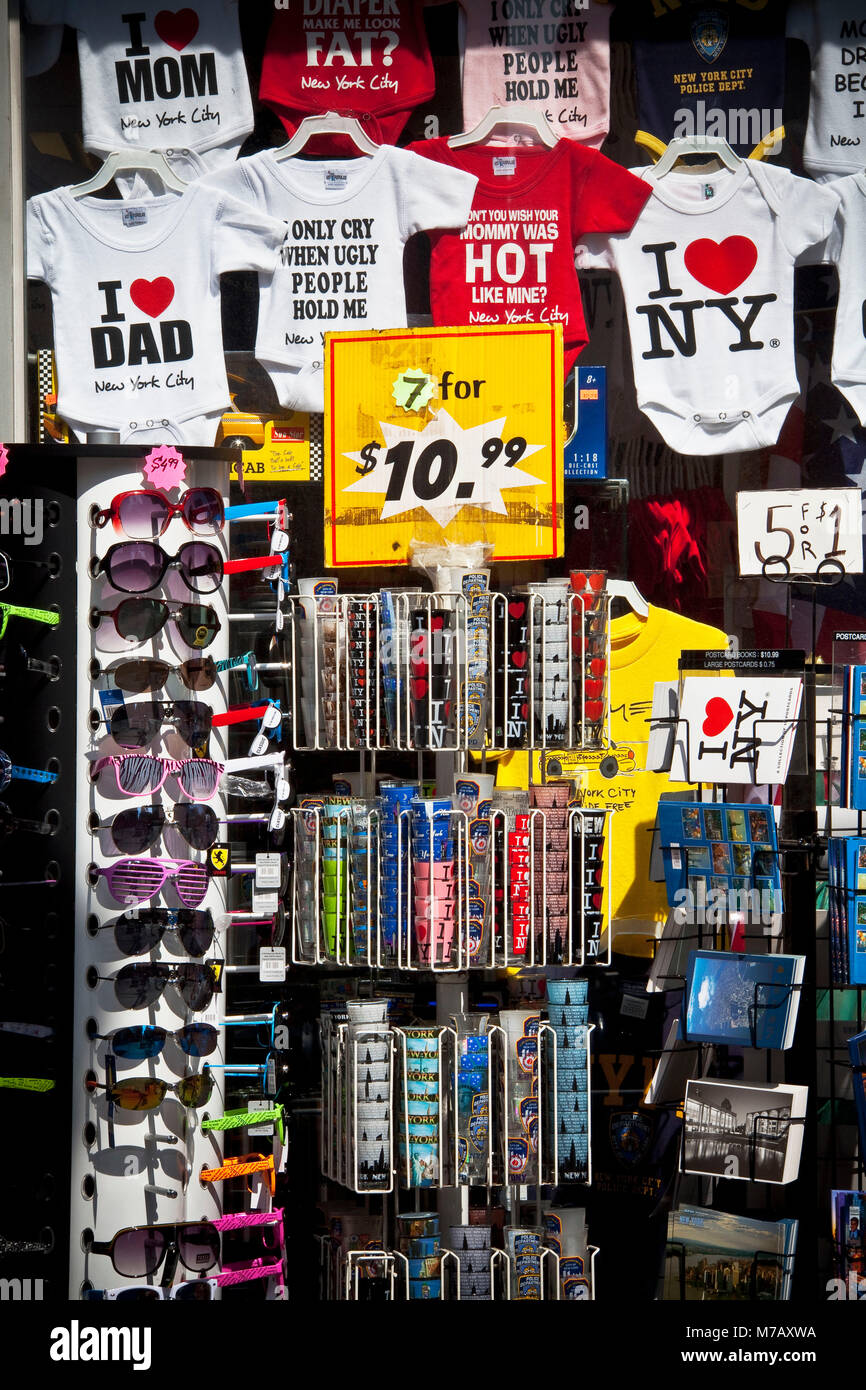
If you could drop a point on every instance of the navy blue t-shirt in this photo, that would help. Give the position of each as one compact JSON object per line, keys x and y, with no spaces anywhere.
{"x":709,"y":69}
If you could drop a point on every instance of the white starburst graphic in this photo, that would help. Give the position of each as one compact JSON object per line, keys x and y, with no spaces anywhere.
{"x":471,"y":484}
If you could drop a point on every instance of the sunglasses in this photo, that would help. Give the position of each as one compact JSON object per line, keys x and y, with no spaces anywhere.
{"x":145,"y":1040}
{"x":242,"y":1167}
{"x":133,"y":881}
{"x":138,"y":932}
{"x":132,"y":726}
{"x":38,"y":615}
{"x":10,"y":772}
{"x":138,"y":1251}
{"x":138,"y":775}
{"x":137,"y":829}
{"x":143,"y":515}
{"x":9,"y":823}
{"x":26,"y":1083}
{"x":147,"y":1093}
{"x":139,"y":619}
{"x":198,"y":1290}
{"x":140,"y":984}
{"x":146,"y":674}
{"x":134,"y":567}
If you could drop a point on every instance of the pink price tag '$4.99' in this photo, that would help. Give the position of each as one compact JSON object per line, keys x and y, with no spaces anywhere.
{"x":165,"y":467}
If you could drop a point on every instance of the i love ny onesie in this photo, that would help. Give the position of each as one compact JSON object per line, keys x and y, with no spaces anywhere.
{"x":707,"y":274}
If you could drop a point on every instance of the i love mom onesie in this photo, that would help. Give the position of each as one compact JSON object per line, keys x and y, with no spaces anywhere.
{"x":158,"y":78}
{"x":135,"y":296}
{"x":514,"y":262}
{"x":707,"y":275}
{"x":346,"y":224}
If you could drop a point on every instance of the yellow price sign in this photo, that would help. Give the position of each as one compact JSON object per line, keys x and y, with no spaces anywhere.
{"x":443,"y":434}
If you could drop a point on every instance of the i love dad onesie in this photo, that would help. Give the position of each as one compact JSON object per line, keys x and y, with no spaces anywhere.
{"x":707,"y":275}
{"x":158,"y":78}
{"x":135,"y":295}
{"x":514,"y":262}
{"x":552,"y":56}
{"x":364,"y":58}
{"x":346,"y":224}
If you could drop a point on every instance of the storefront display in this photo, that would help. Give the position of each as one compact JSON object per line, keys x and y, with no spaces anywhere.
{"x":424,"y":878}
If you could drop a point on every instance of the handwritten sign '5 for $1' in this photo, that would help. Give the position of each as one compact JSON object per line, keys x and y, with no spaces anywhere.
{"x":801,"y":531}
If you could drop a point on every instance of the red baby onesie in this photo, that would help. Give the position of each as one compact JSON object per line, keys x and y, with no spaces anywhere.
{"x":514,"y":260}
{"x":363,"y":58}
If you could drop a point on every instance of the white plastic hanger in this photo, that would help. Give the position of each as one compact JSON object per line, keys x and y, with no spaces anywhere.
{"x":127,"y":161}
{"x":697,"y":144}
{"x":524,"y":116}
{"x":628,"y":591}
{"x":329,"y":123}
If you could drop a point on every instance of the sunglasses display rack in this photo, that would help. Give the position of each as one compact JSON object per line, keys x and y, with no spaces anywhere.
{"x":166,"y":904}
{"x":407,"y":670}
{"x":37,"y":869}
{"x":498,"y":889}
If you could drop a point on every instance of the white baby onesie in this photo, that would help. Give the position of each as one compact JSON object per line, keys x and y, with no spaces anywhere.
{"x":707,"y":274}
{"x":157,"y":78}
{"x":347,"y":222}
{"x":835,"y":31}
{"x":846,"y":246}
{"x":135,"y":296}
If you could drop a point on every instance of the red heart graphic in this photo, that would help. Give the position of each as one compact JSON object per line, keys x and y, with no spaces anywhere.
{"x":717,"y":716}
{"x":152,"y":296}
{"x":578,"y":580}
{"x":419,"y":689}
{"x":177,"y":28}
{"x":596,"y":581}
{"x":516,"y":610}
{"x":597,"y":666}
{"x":594,"y":689}
{"x":524,"y":710}
{"x":437,"y":624}
{"x":518,"y":659}
{"x":721,"y":265}
{"x":594,"y":710}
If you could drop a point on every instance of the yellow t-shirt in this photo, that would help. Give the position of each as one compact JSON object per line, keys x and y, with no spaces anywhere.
{"x":643,"y":650}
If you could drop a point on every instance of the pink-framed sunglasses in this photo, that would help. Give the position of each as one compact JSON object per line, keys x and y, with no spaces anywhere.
{"x":132,"y":881}
{"x":139,"y":775}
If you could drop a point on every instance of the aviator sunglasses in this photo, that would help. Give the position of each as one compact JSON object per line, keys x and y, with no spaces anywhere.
{"x":147,"y":1093}
{"x":144,"y":1040}
{"x":139,"y":827}
{"x":140,"y":984}
{"x":137,"y":932}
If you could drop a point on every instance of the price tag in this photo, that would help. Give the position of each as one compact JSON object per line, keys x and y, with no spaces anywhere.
{"x":268,"y":870}
{"x":4,"y":459}
{"x":255,"y":1131}
{"x":266,"y":904}
{"x":165,"y":467}
{"x":272,"y":969}
{"x":467,"y":447}
{"x":800,"y":532}
{"x":111,"y":700}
